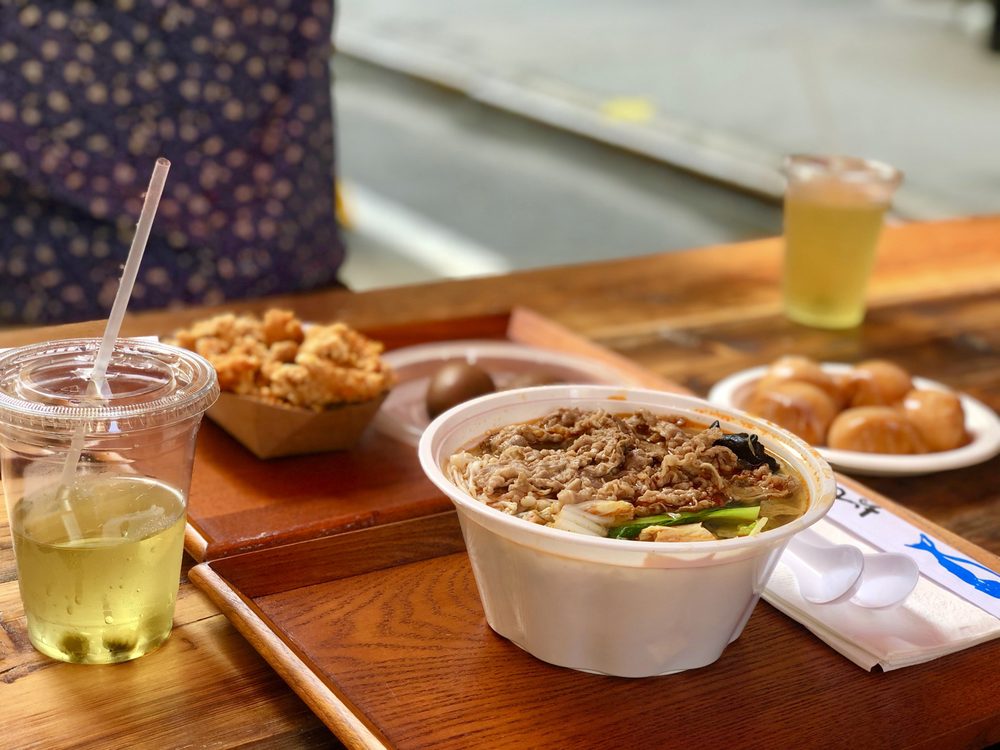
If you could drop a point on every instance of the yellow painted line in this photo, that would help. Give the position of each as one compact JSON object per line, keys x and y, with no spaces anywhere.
{"x":629,"y":109}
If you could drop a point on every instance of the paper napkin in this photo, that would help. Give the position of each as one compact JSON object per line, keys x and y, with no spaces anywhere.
{"x":933,"y":621}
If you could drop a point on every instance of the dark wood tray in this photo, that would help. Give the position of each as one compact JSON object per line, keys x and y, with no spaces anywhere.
{"x":382,"y":633}
{"x":239,"y":502}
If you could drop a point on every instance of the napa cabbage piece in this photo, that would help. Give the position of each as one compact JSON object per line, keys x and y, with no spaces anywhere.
{"x":783,"y":509}
{"x":736,"y":515}
{"x":686,"y":532}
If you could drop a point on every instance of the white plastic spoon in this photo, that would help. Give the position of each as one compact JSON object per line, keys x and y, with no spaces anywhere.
{"x":823,"y":570}
{"x":886,"y":580}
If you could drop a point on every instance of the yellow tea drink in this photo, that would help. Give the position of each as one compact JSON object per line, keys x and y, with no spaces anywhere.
{"x":830,"y":241}
{"x":105,"y":592}
{"x":832,"y":226}
{"x":96,"y":489}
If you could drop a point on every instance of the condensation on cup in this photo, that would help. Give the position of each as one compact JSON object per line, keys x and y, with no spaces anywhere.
{"x":98,"y":540}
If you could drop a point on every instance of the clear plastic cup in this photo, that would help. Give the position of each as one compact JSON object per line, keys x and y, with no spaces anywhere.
{"x":614,"y":606}
{"x":834,"y":207}
{"x":99,"y":556}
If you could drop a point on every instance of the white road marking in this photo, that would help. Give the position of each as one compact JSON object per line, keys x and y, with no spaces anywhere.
{"x":417,"y":238}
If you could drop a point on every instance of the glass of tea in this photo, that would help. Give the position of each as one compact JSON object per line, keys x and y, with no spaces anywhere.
{"x":834,"y":207}
{"x":96,"y":488}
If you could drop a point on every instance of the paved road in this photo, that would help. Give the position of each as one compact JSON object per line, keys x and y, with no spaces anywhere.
{"x":722,"y":87}
{"x":439,"y":184}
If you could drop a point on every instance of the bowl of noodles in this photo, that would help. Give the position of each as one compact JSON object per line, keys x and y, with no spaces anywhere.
{"x":621,"y":531}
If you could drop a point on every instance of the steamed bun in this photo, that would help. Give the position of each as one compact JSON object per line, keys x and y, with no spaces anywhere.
{"x":799,"y":407}
{"x":804,"y":370}
{"x":875,"y":429}
{"x":877,"y":382}
{"x":938,"y":417}
{"x":871,"y":407}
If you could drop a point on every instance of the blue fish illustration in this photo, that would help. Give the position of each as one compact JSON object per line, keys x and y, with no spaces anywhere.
{"x":951,"y":564}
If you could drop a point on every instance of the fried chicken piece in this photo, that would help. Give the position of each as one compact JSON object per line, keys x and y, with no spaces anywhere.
{"x":281,"y":325}
{"x":237,"y":372}
{"x":277,"y":359}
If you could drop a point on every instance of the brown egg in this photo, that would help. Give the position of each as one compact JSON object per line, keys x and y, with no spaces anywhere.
{"x":802,"y":408}
{"x":875,"y":429}
{"x":938,"y":417}
{"x":877,"y":382}
{"x":454,"y":383}
{"x":805,"y":370}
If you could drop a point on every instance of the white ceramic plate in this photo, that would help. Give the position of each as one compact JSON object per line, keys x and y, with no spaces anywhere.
{"x":981,"y":422}
{"x":404,"y":415}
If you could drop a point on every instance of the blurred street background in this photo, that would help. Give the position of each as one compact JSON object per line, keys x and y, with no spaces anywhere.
{"x":480,"y":137}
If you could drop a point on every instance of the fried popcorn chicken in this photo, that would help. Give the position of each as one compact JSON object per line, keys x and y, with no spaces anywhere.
{"x":281,"y":325}
{"x":278,"y":360}
{"x":237,"y":372}
{"x":284,"y":351}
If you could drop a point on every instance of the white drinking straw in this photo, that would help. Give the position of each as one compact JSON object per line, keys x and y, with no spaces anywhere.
{"x":129,"y":273}
{"x":98,"y":385}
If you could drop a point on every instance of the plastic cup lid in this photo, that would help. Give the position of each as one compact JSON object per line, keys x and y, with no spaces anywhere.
{"x":47,"y":386}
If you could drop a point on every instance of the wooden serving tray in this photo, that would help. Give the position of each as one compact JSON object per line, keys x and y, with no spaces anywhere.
{"x":239,"y":502}
{"x":382,"y":633}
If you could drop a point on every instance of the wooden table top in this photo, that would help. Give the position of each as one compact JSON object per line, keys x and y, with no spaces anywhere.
{"x":692,"y":317}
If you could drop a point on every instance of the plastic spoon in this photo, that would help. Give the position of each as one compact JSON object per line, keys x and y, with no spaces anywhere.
{"x":828,"y":572}
{"x":886,"y":580}
{"x":823,"y":570}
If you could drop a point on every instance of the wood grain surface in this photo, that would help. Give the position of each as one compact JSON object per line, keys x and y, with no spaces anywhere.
{"x":690,"y":317}
{"x":239,"y":503}
{"x":204,"y":669}
{"x":398,"y":640}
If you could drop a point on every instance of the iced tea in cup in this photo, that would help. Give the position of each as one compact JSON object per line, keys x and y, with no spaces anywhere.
{"x":834,"y":207}
{"x":99,"y":546}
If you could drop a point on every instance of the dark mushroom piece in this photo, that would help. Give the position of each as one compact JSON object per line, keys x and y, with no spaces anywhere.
{"x":748,"y":449}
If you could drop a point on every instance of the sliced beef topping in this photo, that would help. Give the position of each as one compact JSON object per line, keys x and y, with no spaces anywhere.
{"x":570,"y":456}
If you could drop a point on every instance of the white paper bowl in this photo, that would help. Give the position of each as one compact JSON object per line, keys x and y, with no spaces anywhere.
{"x":613,"y":606}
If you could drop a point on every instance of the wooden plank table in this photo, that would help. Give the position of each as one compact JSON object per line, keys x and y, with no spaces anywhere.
{"x":692,"y":317}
